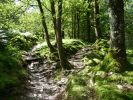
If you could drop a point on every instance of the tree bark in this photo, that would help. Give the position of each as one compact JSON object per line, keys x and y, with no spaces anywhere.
{"x":78,"y":26}
{"x":74,"y":33}
{"x":97,"y":19}
{"x":63,"y":60}
{"x":117,"y":34}
{"x":72,"y":25}
{"x":53,"y":14}
{"x":45,"y":27}
{"x":88,"y":21}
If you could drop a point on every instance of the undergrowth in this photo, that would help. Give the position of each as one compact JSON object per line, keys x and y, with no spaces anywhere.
{"x":100,"y":80}
{"x":71,"y":46}
{"x":12,"y":73}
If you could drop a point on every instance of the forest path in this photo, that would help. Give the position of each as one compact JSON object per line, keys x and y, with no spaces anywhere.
{"x":41,"y":84}
{"x":77,"y":59}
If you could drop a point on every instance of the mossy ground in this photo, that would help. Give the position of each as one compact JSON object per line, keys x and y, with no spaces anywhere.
{"x":12,"y":73}
{"x":100,"y":80}
{"x":71,"y":46}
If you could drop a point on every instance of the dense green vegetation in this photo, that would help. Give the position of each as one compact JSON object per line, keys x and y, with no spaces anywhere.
{"x":71,"y":46}
{"x":12,"y":72}
{"x":100,"y":79}
{"x":58,"y":31}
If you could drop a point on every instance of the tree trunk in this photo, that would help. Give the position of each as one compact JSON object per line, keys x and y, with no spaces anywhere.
{"x":53,"y":14}
{"x":78,"y":26}
{"x":97,"y":19}
{"x":117,"y":36}
{"x":88,"y":21}
{"x":45,"y":27}
{"x":72,"y":25}
{"x":63,"y":60}
{"x":74,"y":34}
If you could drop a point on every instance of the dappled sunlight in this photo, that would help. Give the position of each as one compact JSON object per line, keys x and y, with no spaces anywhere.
{"x":66,"y":50}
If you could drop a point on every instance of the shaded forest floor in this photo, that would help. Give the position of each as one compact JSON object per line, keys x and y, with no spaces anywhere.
{"x":94,"y":76}
{"x":46,"y":80}
{"x":99,"y":79}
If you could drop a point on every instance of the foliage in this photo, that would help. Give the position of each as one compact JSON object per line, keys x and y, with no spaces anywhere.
{"x":10,"y":65}
{"x":101,"y":80}
{"x":77,"y":87}
{"x":129,"y":52}
{"x":109,"y":63}
{"x":128,"y":23}
{"x":22,"y":42}
{"x":71,"y":46}
{"x":12,"y":72}
{"x":97,"y":54}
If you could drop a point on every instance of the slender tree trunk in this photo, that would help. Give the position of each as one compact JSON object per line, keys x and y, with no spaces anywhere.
{"x":72,"y":25}
{"x":63,"y":60}
{"x":45,"y":27}
{"x":63,"y":34}
{"x":78,"y":26}
{"x":74,"y":33}
{"x":117,"y":36}
{"x":88,"y":21}
{"x":97,"y":19}
{"x":53,"y":15}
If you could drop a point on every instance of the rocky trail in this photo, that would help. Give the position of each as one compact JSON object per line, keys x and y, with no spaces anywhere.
{"x":41,"y":84}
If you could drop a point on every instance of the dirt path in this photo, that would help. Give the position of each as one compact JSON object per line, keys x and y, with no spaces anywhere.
{"x":76,"y":59}
{"x":41,"y":85}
